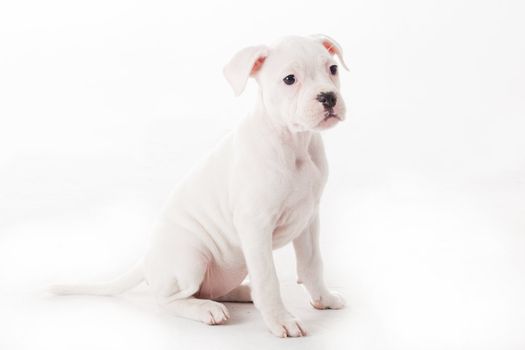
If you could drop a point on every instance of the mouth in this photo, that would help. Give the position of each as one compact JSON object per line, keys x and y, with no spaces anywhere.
{"x":330,"y":114}
{"x":329,"y":120}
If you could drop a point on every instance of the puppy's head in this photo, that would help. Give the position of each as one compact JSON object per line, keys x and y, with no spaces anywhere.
{"x":298,"y":79}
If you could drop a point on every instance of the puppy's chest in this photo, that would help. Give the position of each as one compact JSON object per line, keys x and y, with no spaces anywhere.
{"x":302,"y":197}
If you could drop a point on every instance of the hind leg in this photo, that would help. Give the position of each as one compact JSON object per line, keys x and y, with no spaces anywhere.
{"x":175,"y":271}
{"x":178,"y":299}
{"x":203,"y":310}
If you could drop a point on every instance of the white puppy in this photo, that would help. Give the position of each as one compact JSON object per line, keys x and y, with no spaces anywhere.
{"x":257,"y":191}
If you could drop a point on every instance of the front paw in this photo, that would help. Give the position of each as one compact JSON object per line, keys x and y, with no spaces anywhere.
{"x":285,"y":325}
{"x":331,"y":300}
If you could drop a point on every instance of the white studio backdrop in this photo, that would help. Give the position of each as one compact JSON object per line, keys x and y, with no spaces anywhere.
{"x":105,"y":105}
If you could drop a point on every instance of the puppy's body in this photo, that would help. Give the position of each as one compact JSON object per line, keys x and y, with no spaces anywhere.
{"x":257,"y":191}
{"x":253,"y":172}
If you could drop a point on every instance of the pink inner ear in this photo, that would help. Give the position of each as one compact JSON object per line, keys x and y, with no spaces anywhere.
{"x":257,"y":65}
{"x":331,"y":49}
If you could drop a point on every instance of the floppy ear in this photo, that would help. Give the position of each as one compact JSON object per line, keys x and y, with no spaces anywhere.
{"x":332,"y":47}
{"x":244,"y":64}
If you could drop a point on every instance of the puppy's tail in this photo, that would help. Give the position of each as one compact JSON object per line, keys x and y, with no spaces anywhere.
{"x":119,"y":285}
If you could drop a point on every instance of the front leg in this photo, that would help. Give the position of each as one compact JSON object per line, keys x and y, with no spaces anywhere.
{"x":256,"y":242}
{"x":310,"y":269}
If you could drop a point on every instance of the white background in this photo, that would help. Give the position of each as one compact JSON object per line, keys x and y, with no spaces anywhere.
{"x":104,"y":105}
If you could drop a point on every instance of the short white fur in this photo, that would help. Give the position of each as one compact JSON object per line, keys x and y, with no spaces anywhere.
{"x":258,"y":190}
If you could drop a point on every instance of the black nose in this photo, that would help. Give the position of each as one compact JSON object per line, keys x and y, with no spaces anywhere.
{"x":328,"y":99}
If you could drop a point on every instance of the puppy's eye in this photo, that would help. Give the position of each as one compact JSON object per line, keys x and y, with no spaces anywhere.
{"x":333,"y":69}
{"x":289,"y":79}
